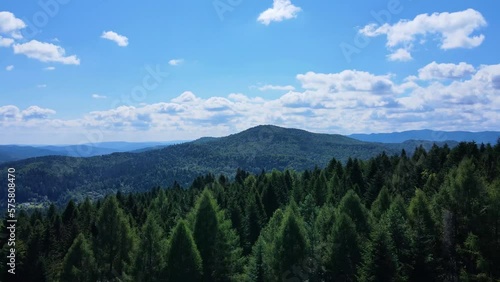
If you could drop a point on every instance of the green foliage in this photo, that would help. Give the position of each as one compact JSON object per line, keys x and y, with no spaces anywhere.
{"x":290,"y":244}
{"x":351,"y":205}
{"x":382,"y":203}
{"x":216,"y":241}
{"x":114,"y":242}
{"x":343,"y":250}
{"x":183,"y":260}
{"x":380,"y":262}
{"x":79,"y":263}
{"x":150,"y":257}
{"x":442,"y":225}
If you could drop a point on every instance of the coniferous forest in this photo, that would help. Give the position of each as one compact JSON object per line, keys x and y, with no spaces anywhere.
{"x":417,"y":216}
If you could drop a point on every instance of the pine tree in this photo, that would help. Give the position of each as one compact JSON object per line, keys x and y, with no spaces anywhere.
{"x":424,"y":239}
{"x":183,"y":260}
{"x":150,"y":259}
{"x":382,"y":203}
{"x":255,"y":269}
{"x":290,"y":246}
{"x":352,"y":206}
{"x":79,"y":263}
{"x":216,"y":241}
{"x":115,"y":241}
{"x":399,"y":230}
{"x":253,"y":221}
{"x":380,"y":261}
{"x":344,"y":249}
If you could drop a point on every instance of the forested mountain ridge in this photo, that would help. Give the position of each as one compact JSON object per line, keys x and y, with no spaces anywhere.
{"x":59,"y":178}
{"x":430,"y":135}
{"x":9,"y":153}
{"x":431,"y":216}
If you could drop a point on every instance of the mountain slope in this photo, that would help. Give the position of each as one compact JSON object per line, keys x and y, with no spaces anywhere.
{"x":58,"y":178}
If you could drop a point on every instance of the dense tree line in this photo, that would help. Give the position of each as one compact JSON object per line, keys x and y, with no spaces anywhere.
{"x":431,"y":216}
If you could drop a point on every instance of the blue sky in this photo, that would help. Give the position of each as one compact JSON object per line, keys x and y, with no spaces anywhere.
{"x":91,"y":71}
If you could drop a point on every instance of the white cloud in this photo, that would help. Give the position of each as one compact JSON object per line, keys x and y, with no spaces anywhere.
{"x":6,"y":42}
{"x":176,"y":62}
{"x":97,"y":96}
{"x":35,"y":112}
{"x":9,"y":113}
{"x":121,"y":40}
{"x":11,"y":25}
{"x":41,"y":85}
{"x":452,"y":30}
{"x":276,"y":87}
{"x":344,"y":102}
{"x":401,"y":55}
{"x":281,"y":10}
{"x":49,"y":68}
{"x":45,"y":52}
{"x":12,"y":113}
{"x":445,"y":71}
{"x":9,"y":68}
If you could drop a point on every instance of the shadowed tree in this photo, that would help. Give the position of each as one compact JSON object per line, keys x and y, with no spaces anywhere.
{"x":380,"y":261}
{"x":343,"y":249}
{"x":183,"y":259}
{"x":115,"y":241}
{"x":216,"y":241}
{"x":290,"y":245}
{"x":79,"y":262}
{"x":352,"y":206}
{"x":150,"y":259}
{"x":382,"y":203}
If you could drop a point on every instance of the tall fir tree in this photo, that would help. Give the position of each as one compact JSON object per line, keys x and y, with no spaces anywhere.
{"x":380,"y":262}
{"x":79,"y":263}
{"x":150,"y":259}
{"x":184,"y":261}
{"x":115,"y":241}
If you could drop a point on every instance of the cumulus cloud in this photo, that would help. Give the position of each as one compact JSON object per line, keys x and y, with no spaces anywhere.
{"x":11,"y":25}
{"x":176,"y":62}
{"x":35,"y":112}
{"x":6,"y":42}
{"x":45,"y":52}
{"x":49,"y":68}
{"x":281,"y":10}
{"x":445,"y":71}
{"x":9,"y":68}
{"x":41,"y":85}
{"x":346,"y":81}
{"x":401,"y":55}
{"x":121,"y":40}
{"x":12,"y":113}
{"x":9,"y":112}
{"x":97,"y":96}
{"x":344,"y":102}
{"x":276,"y":87}
{"x":452,"y":30}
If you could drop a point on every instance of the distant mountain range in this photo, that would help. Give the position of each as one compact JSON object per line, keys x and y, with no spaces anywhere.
{"x":430,"y":135}
{"x":58,"y":178}
{"x":10,"y":153}
{"x":18,"y":152}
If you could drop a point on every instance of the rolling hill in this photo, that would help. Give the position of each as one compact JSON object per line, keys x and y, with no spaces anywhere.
{"x":58,"y":178}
